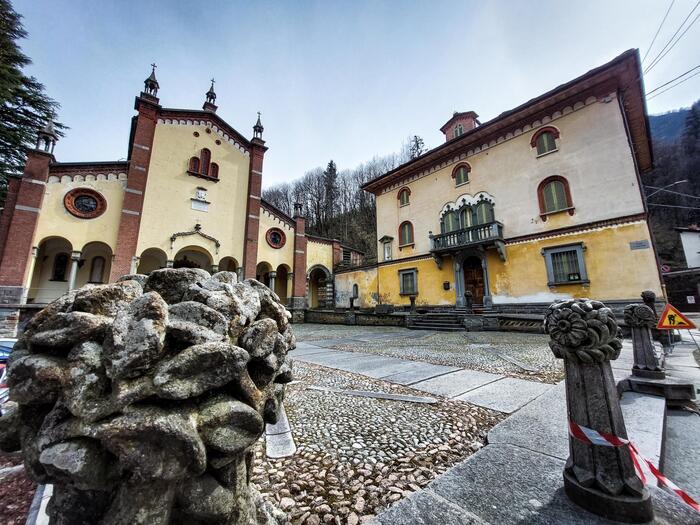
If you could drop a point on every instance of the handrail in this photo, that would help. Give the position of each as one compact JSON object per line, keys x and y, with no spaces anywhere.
{"x":467,"y":236}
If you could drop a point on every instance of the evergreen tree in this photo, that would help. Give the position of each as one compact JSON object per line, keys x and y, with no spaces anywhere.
{"x":330,"y":184}
{"x":417,"y":147}
{"x":24,"y":107}
{"x":691,"y":132}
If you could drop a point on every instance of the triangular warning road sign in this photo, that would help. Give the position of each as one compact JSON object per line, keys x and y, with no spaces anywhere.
{"x":672,"y":319}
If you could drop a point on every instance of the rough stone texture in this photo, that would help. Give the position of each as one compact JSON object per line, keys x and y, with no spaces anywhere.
{"x":600,"y":479}
{"x":136,"y":403}
{"x":647,"y":362}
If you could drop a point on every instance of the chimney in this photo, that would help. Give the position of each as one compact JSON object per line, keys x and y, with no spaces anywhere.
{"x":459,"y":124}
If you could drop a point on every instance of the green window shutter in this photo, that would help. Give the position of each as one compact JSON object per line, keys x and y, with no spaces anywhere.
{"x":546,"y":143}
{"x":555,"y":196}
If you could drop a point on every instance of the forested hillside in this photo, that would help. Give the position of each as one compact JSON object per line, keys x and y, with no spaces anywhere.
{"x":677,"y":204}
{"x":668,"y":127}
{"x":334,"y":205}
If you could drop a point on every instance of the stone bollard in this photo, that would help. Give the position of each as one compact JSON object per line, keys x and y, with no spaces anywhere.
{"x":141,"y":401}
{"x":641,"y":319}
{"x":412,"y":298}
{"x":600,"y":479}
{"x":649,"y":299}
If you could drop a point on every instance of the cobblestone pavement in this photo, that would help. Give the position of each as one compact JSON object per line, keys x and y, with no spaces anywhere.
{"x":358,"y":455}
{"x":526,"y":356}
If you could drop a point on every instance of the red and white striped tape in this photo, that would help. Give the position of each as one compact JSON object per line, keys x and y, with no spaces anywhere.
{"x":593,"y":437}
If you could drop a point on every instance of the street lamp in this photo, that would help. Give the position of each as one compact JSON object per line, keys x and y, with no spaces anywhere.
{"x":667,"y":186}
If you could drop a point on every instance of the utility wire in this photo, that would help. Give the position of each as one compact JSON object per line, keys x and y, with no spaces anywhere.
{"x":674,"y":192}
{"x":677,"y":40}
{"x":657,"y":31}
{"x":673,"y":80}
{"x":672,"y":206}
{"x":674,"y":85}
{"x":661,"y":53}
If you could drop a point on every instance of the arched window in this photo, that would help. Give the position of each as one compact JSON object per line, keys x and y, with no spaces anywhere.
{"x":450,"y":222}
{"x":461,"y":173}
{"x":483,"y":213}
{"x":545,"y":140}
{"x":465,"y":217}
{"x":97,"y":270}
{"x":459,"y":130}
{"x":60,"y":265}
{"x":194,"y":165}
{"x":355,"y":291}
{"x":214,"y":170}
{"x":405,"y":233}
{"x":554,"y":195}
{"x":205,"y":158}
{"x":404,"y":197}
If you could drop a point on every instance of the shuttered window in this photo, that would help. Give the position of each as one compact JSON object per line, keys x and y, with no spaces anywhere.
{"x":565,"y":264}
{"x":408,"y":282}
{"x":554,"y":196}
{"x":546,"y":143}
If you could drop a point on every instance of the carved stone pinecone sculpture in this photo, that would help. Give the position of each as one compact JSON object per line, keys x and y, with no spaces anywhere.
{"x":141,"y":401}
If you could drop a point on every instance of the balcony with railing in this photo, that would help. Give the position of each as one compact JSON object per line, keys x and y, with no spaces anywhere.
{"x":481,"y":234}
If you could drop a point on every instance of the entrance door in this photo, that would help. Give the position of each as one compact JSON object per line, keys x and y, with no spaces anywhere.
{"x":474,"y":279}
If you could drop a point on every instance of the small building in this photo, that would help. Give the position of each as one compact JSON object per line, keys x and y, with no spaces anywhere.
{"x":188,"y":195}
{"x":543,"y":202}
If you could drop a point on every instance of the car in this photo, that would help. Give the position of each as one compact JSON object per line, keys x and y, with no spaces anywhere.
{"x":6,"y":345}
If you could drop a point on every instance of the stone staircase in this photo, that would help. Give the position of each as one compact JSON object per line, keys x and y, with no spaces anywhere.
{"x":443,"y":321}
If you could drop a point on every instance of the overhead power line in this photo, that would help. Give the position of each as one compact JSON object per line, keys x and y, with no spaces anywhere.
{"x":674,"y":85}
{"x":674,"y":192}
{"x":672,"y":206}
{"x":657,"y":31}
{"x":673,"y":80}
{"x":664,"y":51}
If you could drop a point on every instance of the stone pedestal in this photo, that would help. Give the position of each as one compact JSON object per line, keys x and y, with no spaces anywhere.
{"x":600,"y":479}
{"x":641,"y":319}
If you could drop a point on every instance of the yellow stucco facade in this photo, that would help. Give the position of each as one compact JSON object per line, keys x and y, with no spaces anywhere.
{"x":168,"y":206}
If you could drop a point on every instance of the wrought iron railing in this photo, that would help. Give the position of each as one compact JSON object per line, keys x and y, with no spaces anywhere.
{"x":472,"y":235}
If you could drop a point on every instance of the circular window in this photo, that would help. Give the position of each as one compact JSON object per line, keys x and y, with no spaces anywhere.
{"x":85,"y":203}
{"x":275,"y":237}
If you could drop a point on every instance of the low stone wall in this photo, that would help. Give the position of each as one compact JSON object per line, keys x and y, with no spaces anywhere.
{"x":348,"y":317}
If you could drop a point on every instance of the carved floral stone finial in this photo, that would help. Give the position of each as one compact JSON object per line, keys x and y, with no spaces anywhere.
{"x":583,"y":330}
{"x":639,"y":315}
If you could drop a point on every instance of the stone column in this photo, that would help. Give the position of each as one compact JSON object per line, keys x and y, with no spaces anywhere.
{"x":273,"y":276}
{"x":74,"y":258}
{"x":169,"y":263}
{"x":30,"y":274}
{"x":641,"y":319}
{"x":240,"y":272}
{"x":487,"y":290}
{"x":214,"y":268}
{"x":134,"y":264}
{"x":459,"y":283}
{"x":600,"y":479}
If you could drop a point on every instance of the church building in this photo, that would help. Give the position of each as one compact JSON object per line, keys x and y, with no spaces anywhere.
{"x":542,"y":202}
{"x":188,"y":195}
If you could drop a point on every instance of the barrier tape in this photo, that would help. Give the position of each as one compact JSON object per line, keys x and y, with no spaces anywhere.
{"x":593,"y":437}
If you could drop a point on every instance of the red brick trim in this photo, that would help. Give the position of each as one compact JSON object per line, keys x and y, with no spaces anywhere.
{"x":252,"y":220}
{"x":139,"y":163}
{"x":412,"y":234}
{"x":461,"y":165}
{"x":567,"y":191}
{"x":70,"y":198}
{"x":404,"y":189}
{"x":554,"y":131}
{"x":268,"y":238}
{"x":8,"y":210}
{"x":20,"y":235}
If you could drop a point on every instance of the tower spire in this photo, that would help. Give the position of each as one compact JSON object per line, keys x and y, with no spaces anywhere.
{"x":258,"y":129}
{"x":150,"y":85}
{"x":210,"y":98}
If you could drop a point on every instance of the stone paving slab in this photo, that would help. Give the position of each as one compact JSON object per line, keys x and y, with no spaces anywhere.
{"x":393,"y":367}
{"x":456,"y":383}
{"x":426,"y":508}
{"x":683,"y":443}
{"x":505,"y":395}
{"x":374,"y":365}
{"x":419,"y":372}
{"x":300,"y":351}
{"x":328,"y":358}
{"x":539,"y":425}
{"x":509,"y":485}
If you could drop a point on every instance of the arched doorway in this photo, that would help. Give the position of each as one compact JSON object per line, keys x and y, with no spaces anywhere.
{"x":152,"y":259}
{"x":474,"y":279}
{"x":262,"y":272}
{"x":51,"y":270}
{"x":95,"y":264}
{"x":320,"y":287}
{"x":228,"y":264}
{"x":282,"y":282}
{"x":193,"y":257}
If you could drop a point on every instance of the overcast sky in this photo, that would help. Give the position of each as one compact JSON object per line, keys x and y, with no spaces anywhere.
{"x":341,"y":80}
